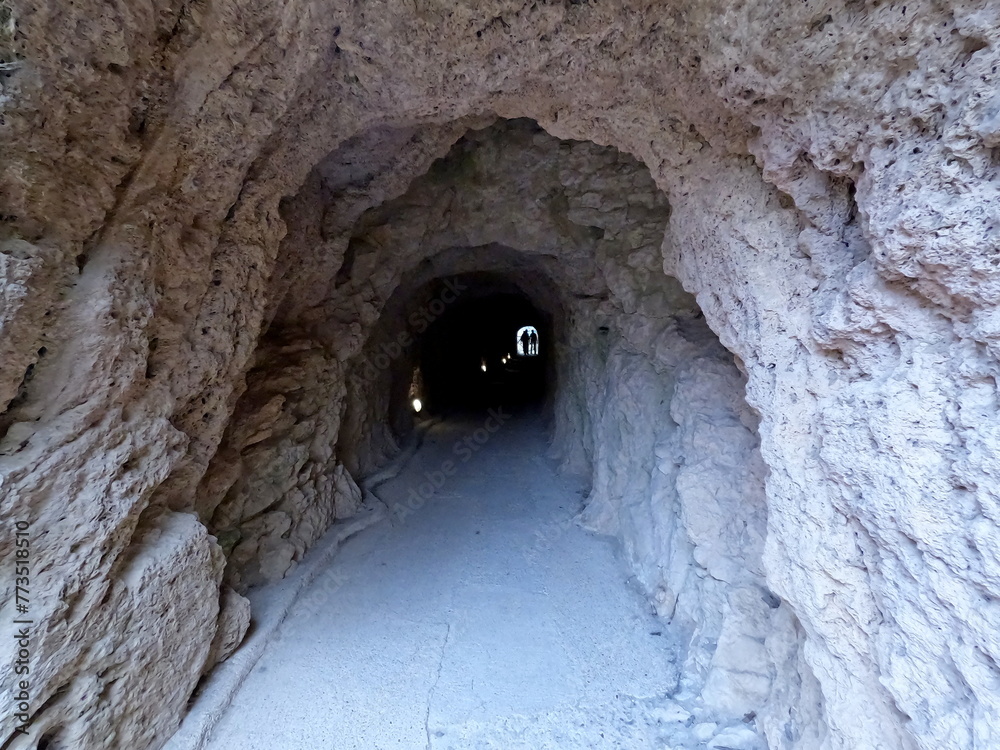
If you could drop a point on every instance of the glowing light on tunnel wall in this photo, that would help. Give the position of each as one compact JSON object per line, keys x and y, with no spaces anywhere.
{"x":416,"y":390}
{"x":526,"y":341}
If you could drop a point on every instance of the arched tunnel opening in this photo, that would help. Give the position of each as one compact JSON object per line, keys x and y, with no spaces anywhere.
{"x":514,"y":305}
{"x":488,"y":361}
{"x":461,"y":343}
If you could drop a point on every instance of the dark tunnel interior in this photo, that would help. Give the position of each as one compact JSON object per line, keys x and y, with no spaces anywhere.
{"x":486,"y":352}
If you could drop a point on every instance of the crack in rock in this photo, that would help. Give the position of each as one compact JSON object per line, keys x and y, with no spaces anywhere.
{"x":437,"y":679}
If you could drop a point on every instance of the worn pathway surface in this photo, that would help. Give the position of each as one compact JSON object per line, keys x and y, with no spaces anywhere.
{"x":481,"y":618}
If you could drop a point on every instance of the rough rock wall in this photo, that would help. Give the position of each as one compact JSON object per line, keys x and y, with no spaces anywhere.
{"x":566,"y":208}
{"x":849,"y":265}
{"x":678,"y":477}
{"x":686,"y":493}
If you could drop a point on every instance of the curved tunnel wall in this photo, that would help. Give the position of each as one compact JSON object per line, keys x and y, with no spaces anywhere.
{"x":150,"y":239}
{"x":577,"y":229}
{"x":645,"y":399}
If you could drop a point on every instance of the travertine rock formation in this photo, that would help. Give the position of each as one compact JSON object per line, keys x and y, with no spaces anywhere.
{"x":214,"y":212}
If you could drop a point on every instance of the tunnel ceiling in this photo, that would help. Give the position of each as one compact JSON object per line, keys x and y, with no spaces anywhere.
{"x":572,"y":205}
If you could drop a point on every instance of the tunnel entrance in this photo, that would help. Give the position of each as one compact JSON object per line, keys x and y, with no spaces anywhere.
{"x":215,"y":219}
{"x":469,"y":358}
{"x":526,"y":273}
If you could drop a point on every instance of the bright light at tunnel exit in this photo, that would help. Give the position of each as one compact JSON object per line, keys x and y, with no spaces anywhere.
{"x":417,"y":405}
{"x":526,"y":341}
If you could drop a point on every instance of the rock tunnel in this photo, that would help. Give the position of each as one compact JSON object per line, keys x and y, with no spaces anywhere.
{"x":756,"y":241}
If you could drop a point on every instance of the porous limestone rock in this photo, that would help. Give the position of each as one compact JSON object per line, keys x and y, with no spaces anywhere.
{"x":141,"y":675}
{"x":234,"y":620}
{"x":181,"y":184}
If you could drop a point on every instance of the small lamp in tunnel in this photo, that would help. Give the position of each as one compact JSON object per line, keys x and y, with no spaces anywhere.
{"x":416,"y":389}
{"x":482,"y":364}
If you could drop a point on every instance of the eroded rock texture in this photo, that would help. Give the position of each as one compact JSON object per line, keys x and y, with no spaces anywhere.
{"x":213,"y":213}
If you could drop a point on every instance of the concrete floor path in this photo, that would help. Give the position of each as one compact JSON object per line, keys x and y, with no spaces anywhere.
{"x":482,"y":617}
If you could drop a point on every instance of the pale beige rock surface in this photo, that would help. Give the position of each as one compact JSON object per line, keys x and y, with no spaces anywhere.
{"x":817,"y":497}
